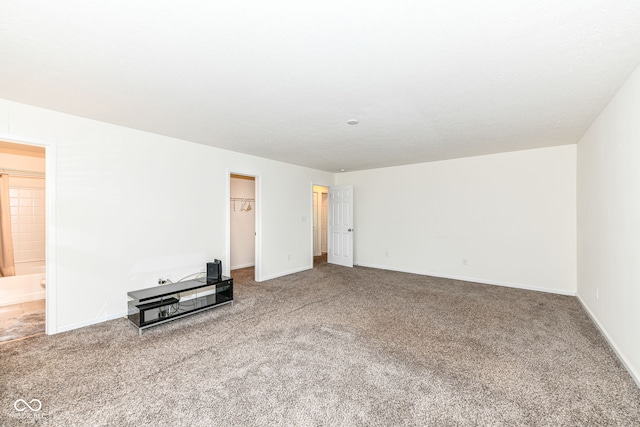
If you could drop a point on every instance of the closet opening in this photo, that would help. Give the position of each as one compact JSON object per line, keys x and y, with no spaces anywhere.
{"x":242,"y":227}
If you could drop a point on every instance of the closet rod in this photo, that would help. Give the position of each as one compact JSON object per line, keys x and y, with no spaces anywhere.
{"x":22,"y":173}
{"x":242,"y":199}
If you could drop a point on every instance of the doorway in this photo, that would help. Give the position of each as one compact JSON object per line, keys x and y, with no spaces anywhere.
{"x":23,"y":247}
{"x":320,"y":224}
{"x":243,"y":256}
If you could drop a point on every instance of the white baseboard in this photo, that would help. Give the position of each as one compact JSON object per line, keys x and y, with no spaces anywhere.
{"x":286,"y":273}
{"x":309,"y":267}
{"x":78,"y":325}
{"x":475,"y":280}
{"x":614,"y":347}
{"x":236,"y":267}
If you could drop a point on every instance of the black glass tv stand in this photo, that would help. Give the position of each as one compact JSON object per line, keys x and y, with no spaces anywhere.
{"x":160,"y":304}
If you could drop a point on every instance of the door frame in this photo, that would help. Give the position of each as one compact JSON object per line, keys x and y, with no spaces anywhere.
{"x":51,"y":326}
{"x":312,"y":251}
{"x":316,"y":221}
{"x":258,"y":223}
{"x":350,"y":261}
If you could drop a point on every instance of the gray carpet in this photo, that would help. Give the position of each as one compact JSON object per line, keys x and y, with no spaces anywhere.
{"x":333,"y":346}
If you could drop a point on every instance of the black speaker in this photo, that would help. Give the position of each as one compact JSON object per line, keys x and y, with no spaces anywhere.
{"x":214,"y":271}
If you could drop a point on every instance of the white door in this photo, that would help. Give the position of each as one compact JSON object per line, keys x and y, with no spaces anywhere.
{"x":341,"y":225}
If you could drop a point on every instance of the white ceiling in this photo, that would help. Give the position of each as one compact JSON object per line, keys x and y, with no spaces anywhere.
{"x":428,"y":80}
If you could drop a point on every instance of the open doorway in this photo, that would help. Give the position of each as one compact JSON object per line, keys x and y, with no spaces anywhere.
{"x":23,"y":241}
{"x":320,"y":224}
{"x":242,"y":227}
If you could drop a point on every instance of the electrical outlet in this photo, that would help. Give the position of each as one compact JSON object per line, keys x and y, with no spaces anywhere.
{"x":288,"y":257}
{"x":597,"y":293}
{"x":386,"y":253}
{"x":464,"y":261}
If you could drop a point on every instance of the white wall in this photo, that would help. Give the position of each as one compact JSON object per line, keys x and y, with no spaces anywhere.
{"x":511,"y":216}
{"x":132,"y":206}
{"x":609,"y":222}
{"x":242,"y":223}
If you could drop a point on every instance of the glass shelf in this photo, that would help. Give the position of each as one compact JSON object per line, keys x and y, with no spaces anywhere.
{"x":159,"y":304}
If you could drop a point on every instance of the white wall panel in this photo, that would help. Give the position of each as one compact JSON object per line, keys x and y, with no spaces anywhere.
{"x":132,"y":206}
{"x":504,"y":219}
{"x":609,"y":222}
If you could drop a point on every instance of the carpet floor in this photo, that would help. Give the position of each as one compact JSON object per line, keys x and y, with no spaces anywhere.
{"x":332,"y":346}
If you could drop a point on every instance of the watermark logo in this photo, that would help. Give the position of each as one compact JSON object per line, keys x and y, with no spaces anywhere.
{"x":21,"y":405}
{"x":29,"y":410}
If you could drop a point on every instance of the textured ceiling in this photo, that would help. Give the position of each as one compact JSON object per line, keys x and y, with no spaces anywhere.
{"x":427,"y":80}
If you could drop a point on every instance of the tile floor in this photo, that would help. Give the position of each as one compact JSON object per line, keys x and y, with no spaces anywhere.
{"x":9,"y":313}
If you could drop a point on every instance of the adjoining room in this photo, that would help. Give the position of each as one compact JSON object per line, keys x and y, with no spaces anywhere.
{"x":242,"y":225}
{"x":22,"y":255}
{"x":320,"y":224}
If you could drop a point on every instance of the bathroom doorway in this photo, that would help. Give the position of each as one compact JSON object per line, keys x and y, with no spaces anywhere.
{"x":23,"y":235}
{"x":320,"y":224}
